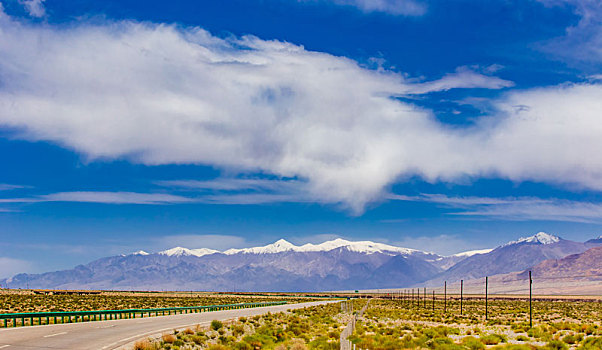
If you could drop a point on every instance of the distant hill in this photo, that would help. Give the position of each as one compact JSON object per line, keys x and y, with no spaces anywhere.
{"x":584,"y":265}
{"x":513,"y":256}
{"x":281,"y":266}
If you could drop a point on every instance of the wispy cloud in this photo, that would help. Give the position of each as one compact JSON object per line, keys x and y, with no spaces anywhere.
{"x":103,"y":197}
{"x":11,"y":266}
{"x":236,"y":184}
{"x":35,"y":8}
{"x":583,"y":41}
{"x":8,"y":187}
{"x":514,"y":208}
{"x":392,"y":7}
{"x":463,"y":77}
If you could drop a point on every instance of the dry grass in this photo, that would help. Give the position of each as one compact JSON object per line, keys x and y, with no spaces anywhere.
{"x":168,"y":338}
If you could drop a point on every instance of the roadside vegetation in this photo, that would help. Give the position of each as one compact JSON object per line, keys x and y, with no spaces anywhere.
{"x":396,"y":324}
{"x":29,"y":302}
{"x":557,"y":325}
{"x":317,"y":327}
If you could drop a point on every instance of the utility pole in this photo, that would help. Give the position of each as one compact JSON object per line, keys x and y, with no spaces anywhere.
{"x":530,"y":304}
{"x":445,"y":297}
{"x":424,"y":297}
{"x":461,"y":295}
{"x":486,"y":295}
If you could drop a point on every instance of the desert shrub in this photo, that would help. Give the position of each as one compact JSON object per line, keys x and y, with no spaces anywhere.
{"x":168,"y":338}
{"x":188,"y":331}
{"x":591,"y":343}
{"x":217,"y":347}
{"x":556,"y":345}
{"x":215,"y":325}
{"x":522,"y":338}
{"x":242,"y":345}
{"x":145,"y":345}
{"x":492,"y":339}
{"x":472,"y":343}
{"x":569,"y":339}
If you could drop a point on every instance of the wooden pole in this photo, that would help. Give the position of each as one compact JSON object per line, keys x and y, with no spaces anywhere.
{"x":486,"y":285}
{"x":445,"y":297}
{"x":461,"y":295}
{"x":530,"y":304}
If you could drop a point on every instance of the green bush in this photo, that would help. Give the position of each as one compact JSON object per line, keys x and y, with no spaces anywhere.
{"x":591,"y":344}
{"x":472,"y":343}
{"x":493,"y":339}
{"x":556,"y":345}
{"x":215,"y":325}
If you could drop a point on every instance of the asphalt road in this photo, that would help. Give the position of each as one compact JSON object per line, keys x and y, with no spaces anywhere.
{"x":119,"y":334}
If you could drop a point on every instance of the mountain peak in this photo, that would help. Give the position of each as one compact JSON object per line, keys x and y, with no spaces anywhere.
{"x":539,"y":238}
{"x":279,"y":246}
{"x":140,"y":252}
{"x":180,"y":251}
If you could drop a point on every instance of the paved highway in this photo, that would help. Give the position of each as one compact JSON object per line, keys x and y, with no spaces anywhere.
{"x":119,"y":334}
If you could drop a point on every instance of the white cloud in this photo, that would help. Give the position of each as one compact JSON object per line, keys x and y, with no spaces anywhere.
{"x":514,"y":208}
{"x":235,"y":184}
{"x":114,"y":198}
{"x":35,"y":8}
{"x":9,"y":187}
{"x":582,"y":42}
{"x":158,"y":94}
{"x":463,"y":77}
{"x":10,"y":267}
{"x":393,"y":7}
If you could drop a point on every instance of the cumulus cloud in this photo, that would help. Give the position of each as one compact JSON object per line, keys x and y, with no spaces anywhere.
{"x":159,"y":94}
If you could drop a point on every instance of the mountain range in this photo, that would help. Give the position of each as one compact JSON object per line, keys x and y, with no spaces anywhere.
{"x":281,"y":266}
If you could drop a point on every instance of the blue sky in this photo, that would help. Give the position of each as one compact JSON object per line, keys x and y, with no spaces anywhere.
{"x":438,"y":125}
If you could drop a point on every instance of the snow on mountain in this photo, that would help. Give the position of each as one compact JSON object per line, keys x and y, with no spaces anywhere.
{"x":140,"y":252}
{"x":541,"y":238}
{"x":279,"y":246}
{"x":180,"y":251}
{"x":472,"y":252}
{"x":366,"y":247}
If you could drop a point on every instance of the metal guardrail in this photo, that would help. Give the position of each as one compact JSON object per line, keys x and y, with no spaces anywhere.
{"x":45,"y":318}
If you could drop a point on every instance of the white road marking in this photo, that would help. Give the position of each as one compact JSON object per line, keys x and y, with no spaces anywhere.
{"x":109,"y":326}
{"x":54,"y":335}
{"x":4,"y":346}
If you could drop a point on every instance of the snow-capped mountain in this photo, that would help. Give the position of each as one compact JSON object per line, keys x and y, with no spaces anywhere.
{"x":140,"y":252}
{"x":539,"y":238}
{"x":513,"y":256}
{"x":282,"y":266}
{"x":179,"y":251}
{"x":331,"y":265}
{"x":446,"y":262}
{"x":283,"y":245}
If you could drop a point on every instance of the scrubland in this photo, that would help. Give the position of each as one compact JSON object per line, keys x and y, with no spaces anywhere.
{"x":397,"y":324}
